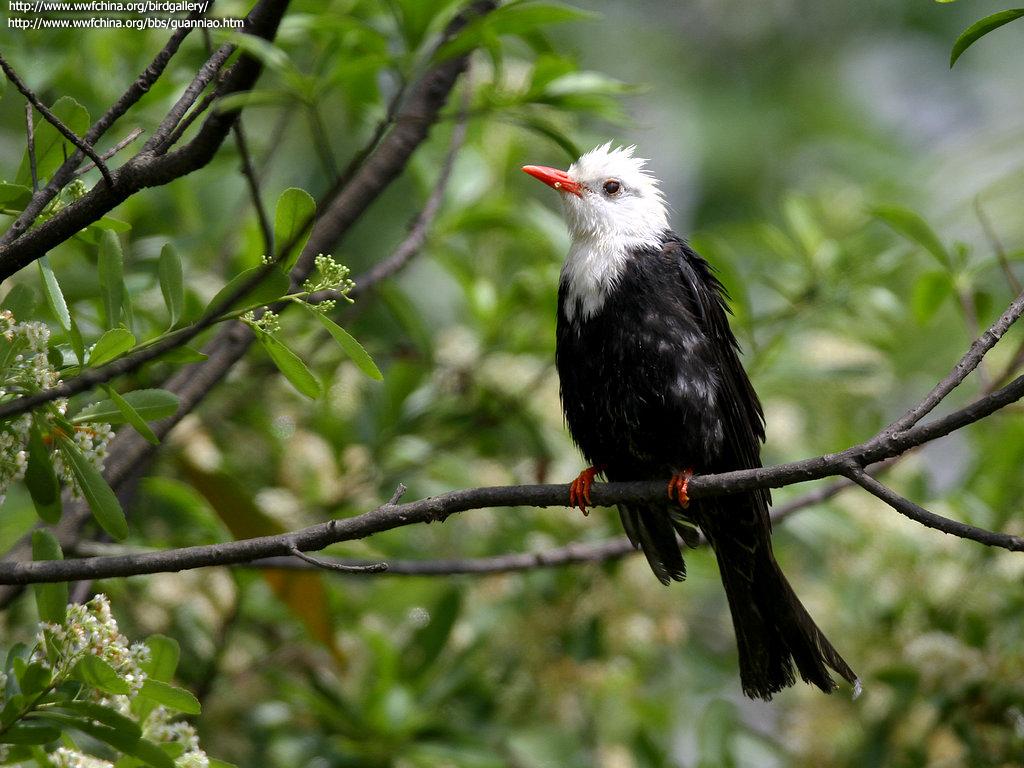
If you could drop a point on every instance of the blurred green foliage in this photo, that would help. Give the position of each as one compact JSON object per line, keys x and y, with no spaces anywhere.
{"x":820,"y":154}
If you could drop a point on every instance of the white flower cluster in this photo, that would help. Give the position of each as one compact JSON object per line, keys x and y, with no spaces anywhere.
{"x":160,"y":728}
{"x":29,"y":365}
{"x":92,"y":629}
{"x":329,"y":276}
{"x":63,"y":757}
{"x":13,"y":457}
{"x":28,"y":369}
{"x":92,"y":440}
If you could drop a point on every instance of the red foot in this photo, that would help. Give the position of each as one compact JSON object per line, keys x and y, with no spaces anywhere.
{"x":678,"y":487}
{"x":579,"y":490}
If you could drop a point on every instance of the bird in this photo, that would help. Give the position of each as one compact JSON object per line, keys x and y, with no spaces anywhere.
{"x":652,"y":387}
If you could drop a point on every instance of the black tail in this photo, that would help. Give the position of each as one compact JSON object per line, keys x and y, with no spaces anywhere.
{"x":773,"y":629}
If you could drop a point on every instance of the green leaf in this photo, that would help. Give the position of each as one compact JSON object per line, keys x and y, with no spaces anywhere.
{"x":98,"y":674}
{"x":914,"y":228}
{"x":257,"y":98}
{"x":132,"y":417}
{"x":41,"y":479}
{"x":93,"y":233}
{"x":291,"y":366}
{"x":101,"y":714}
{"x":264,"y":51}
{"x":428,"y":641}
{"x":170,"y":696}
{"x":77,"y":343}
{"x":149,"y":404}
{"x":14,"y":196}
{"x":35,"y":679}
{"x":101,"y":499}
{"x":151,"y":754}
{"x":172,"y":282}
{"x":293,"y":221}
{"x":270,"y":288}
{"x":123,"y":740}
{"x":184,"y":355}
{"x":51,"y":146}
{"x":111,"y":274}
{"x":30,"y":733}
{"x":552,"y":132}
{"x":21,"y":301}
{"x":51,"y":599}
{"x":930,"y":290}
{"x":163,"y":658}
{"x":351,"y":347}
{"x":215,"y":763}
{"x":516,"y":18}
{"x":110,"y":346}
{"x":979,"y":29}
{"x":54,"y":296}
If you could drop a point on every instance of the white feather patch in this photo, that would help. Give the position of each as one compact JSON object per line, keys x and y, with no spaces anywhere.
{"x":607,"y":229}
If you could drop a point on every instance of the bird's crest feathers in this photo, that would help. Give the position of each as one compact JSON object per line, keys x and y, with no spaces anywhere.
{"x":607,"y":224}
{"x":617,"y":162}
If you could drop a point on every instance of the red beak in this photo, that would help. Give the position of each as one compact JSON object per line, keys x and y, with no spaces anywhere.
{"x":555,"y":178}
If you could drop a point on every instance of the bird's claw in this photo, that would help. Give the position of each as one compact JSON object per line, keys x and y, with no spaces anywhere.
{"x":678,"y":487}
{"x":579,"y":489}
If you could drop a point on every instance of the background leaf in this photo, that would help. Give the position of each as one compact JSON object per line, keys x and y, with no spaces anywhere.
{"x":351,"y":347}
{"x":41,"y":478}
{"x":111,"y":274}
{"x":51,"y":599}
{"x":110,"y":346}
{"x":172,"y":282}
{"x":293,"y":221}
{"x":915,"y":228}
{"x":102,"y":501}
{"x":54,"y":296}
{"x":291,"y":366}
{"x":150,"y":404}
{"x":979,"y":29}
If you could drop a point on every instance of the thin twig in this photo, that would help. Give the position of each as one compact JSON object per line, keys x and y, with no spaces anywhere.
{"x":321,"y":142}
{"x":127,"y":100}
{"x":921,"y":515}
{"x":55,"y":121}
{"x":970,"y":360}
{"x":249,"y":171}
{"x":340,"y":567}
{"x":132,"y":136}
{"x":349,"y":197}
{"x":393,"y":515}
{"x":997,"y":246}
{"x":158,"y":142}
{"x":414,"y":240}
{"x":150,"y":168}
{"x":30,"y":138}
{"x":970,"y":312}
{"x":186,"y":122}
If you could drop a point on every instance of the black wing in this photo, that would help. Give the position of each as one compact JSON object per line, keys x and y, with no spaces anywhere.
{"x":737,"y":404}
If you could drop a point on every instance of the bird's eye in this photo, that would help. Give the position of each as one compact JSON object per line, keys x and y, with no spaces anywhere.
{"x":612,"y":187}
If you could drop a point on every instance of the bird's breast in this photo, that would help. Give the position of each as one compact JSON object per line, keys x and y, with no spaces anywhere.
{"x":637,"y":385}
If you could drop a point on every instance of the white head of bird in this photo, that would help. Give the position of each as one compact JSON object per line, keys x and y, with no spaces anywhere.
{"x":613,"y":207}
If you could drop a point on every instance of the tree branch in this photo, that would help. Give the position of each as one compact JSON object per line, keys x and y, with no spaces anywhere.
{"x":65,"y":173}
{"x":132,"y":136}
{"x":149,"y":167}
{"x":970,"y":360}
{"x":383,"y":160}
{"x":393,"y":515}
{"x":55,"y":121}
{"x":930,"y":519}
